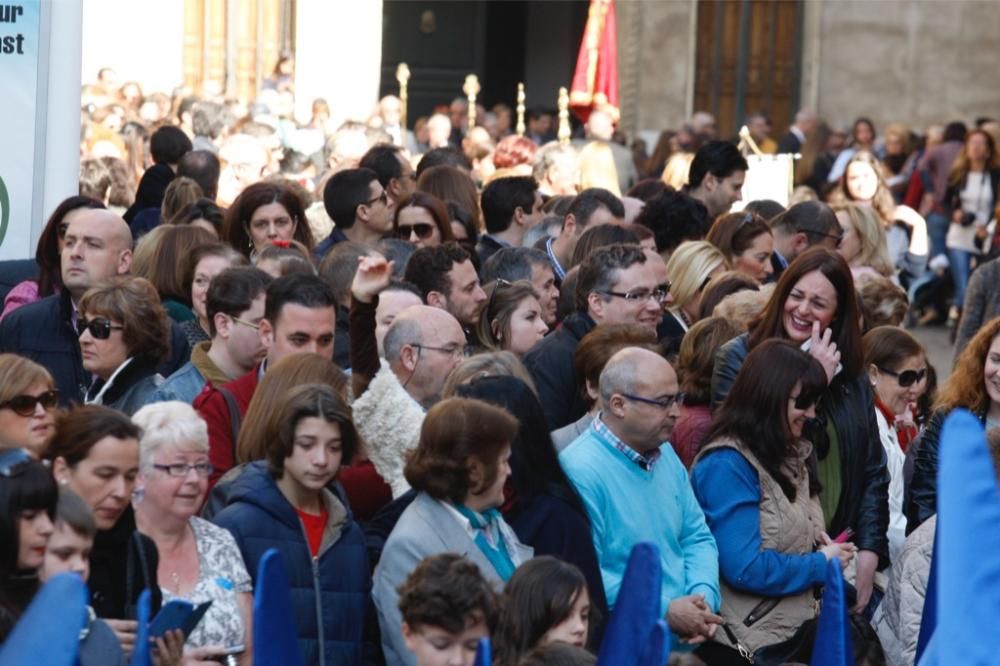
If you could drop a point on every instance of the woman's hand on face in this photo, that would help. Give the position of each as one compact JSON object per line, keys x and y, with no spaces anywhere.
{"x":824,"y":350}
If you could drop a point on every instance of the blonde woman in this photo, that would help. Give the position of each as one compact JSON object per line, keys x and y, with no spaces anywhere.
{"x":863,"y":243}
{"x":597,"y":168}
{"x":692,"y":265}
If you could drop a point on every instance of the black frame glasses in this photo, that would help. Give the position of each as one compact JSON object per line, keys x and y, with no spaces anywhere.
{"x":664,"y":404}
{"x":906,"y":378}
{"x":100,"y":327}
{"x":837,"y":237}
{"x":13,"y":462}
{"x":463,"y":351}
{"x":637,"y":296}
{"x":181,"y":470}
{"x":423,"y":230}
{"x":24,"y":405}
{"x":383,"y":197}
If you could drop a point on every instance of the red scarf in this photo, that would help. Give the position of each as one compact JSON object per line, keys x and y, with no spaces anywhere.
{"x":905,"y":432}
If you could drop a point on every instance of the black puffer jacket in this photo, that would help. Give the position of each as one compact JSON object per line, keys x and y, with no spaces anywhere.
{"x":864,"y":478}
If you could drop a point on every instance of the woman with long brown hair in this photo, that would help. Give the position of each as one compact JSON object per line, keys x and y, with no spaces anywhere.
{"x":974,"y":385}
{"x":263,"y":213}
{"x":814,"y":305}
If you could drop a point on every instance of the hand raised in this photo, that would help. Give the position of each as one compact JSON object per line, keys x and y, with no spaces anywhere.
{"x":824,"y":350}
{"x":373,"y":275}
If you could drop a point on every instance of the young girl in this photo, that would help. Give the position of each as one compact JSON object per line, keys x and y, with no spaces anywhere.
{"x":545,"y":601}
{"x":290,"y":502}
{"x":28,"y":497}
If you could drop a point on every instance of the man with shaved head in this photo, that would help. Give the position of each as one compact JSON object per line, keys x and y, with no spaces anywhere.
{"x":635,"y":489}
{"x":97,"y":246}
{"x":421,"y":348}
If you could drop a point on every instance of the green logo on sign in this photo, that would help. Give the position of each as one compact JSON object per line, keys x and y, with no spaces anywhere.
{"x":4,"y":210}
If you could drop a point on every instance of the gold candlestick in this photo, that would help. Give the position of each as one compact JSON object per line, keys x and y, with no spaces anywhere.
{"x":403,"y":77}
{"x":471,"y":89}
{"x":520,"y":110}
{"x":564,"y":131}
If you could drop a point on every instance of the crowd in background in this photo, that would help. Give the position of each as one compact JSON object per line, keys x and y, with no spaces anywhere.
{"x":454,"y":374}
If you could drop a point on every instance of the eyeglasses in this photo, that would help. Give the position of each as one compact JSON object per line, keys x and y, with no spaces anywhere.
{"x":461,"y":351}
{"x":423,"y":230}
{"x":664,"y":404}
{"x":837,"y":237}
{"x":180,"y":470}
{"x":252,"y":325}
{"x":100,"y":328}
{"x":906,"y":377}
{"x":383,"y":197}
{"x":13,"y":462}
{"x":24,"y":405}
{"x":639,"y":295}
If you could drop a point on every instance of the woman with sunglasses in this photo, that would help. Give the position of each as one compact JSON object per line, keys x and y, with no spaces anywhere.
{"x":897,"y":369}
{"x":199,"y":561}
{"x":28,"y":498}
{"x":512,"y":319}
{"x":423,"y":220}
{"x":974,"y":385}
{"x":761,"y":501}
{"x":124,"y":335}
{"x":814,"y":305}
{"x":28,"y":400}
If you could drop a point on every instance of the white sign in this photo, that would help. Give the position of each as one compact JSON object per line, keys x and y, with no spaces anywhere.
{"x":20,"y":24}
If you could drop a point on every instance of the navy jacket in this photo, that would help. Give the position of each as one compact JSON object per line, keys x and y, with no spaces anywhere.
{"x":550,"y":363}
{"x":42,"y":332}
{"x":329,"y":594}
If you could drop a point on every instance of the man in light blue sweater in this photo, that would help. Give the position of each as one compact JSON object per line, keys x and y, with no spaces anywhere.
{"x":636,"y":489}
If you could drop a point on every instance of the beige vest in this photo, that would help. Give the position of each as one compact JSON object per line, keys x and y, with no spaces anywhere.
{"x":787,"y":527}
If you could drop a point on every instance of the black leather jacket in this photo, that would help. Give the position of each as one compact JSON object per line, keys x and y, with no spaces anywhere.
{"x":850,"y":404}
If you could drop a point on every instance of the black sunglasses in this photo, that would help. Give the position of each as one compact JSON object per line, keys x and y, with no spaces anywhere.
{"x":907,"y":377}
{"x":24,"y":405}
{"x":804,"y":401}
{"x":100,"y":328}
{"x":423,"y":230}
{"x":13,"y":462}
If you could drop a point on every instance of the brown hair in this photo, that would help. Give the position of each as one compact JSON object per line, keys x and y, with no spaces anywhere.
{"x":455,"y":432}
{"x":603,"y":342}
{"x":268,"y":400}
{"x":134,"y":302}
{"x":697,"y":357}
{"x":434,"y":207}
{"x":295,"y":258}
{"x":162,"y":258}
{"x":888,"y":346}
{"x":493,"y":327}
{"x":846,"y":331}
{"x":881,"y":202}
{"x":960,"y":167}
{"x":447,"y":591}
{"x":882,"y":303}
{"x":965,"y":387}
{"x":18,"y":374}
{"x":215,"y":249}
{"x":302,"y":402}
{"x":450,"y":185}
{"x":723,"y":285}
{"x":237,"y":220}
{"x":180,"y":193}
{"x":487,"y":364}
{"x":79,"y":429}
{"x":734,"y":233}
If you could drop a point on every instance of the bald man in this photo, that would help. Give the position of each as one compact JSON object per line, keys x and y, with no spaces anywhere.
{"x":97,"y":246}
{"x":635,"y":488}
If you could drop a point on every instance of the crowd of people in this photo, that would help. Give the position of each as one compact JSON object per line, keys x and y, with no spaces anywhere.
{"x":453,"y":375}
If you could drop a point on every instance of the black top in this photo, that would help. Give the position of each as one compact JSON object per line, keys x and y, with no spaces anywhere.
{"x":122,"y":564}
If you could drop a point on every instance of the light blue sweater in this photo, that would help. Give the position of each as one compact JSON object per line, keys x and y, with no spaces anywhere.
{"x":627,"y":505}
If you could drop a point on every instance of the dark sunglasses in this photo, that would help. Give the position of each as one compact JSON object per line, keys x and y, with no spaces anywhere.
{"x":100,"y":328}
{"x":13,"y":462}
{"x":907,"y":377}
{"x":24,"y":405}
{"x":423,"y":230}
{"x":804,"y":401}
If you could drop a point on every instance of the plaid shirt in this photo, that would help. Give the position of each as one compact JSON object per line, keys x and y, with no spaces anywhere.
{"x":645,"y":462}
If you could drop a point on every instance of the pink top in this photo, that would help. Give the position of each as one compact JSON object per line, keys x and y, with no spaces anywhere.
{"x":22,"y":294}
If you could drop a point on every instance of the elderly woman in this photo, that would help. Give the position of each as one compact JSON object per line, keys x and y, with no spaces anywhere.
{"x":199,"y":561}
{"x":27,"y":405}
{"x":124,"y":334}
{"x":459,"y":470}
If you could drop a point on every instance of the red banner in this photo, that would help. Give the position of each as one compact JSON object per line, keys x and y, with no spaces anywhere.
{"x":595,"y":81}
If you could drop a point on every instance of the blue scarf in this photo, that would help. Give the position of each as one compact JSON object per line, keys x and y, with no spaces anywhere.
{"x":489,"y":521}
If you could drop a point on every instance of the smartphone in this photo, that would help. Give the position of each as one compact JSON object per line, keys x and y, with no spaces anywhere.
{"x":177,"y":614}
{"x":844,"y":536}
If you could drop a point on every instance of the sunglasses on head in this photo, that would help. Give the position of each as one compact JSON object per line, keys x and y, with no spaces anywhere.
{"x":907,"y":377}
{"x":24,"y":405}
{"x":13,"y":462}
{"x":423,"y":230}
{"x":100,"y":328}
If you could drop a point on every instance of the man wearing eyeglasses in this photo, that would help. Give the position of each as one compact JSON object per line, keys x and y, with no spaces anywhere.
{"x":617,"y":284}
{"x":359,"y":206}
{"x":97,"y":245}
{"x":801,"y":227}
{"x":635,"y":489}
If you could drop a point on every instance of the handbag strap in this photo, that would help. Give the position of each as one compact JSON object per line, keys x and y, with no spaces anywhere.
{"x":742,"y":649}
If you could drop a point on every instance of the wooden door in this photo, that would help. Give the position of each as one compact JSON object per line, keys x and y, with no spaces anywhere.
{"x":748,"y":60}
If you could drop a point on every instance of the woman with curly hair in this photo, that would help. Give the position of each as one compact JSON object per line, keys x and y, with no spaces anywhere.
{"x":263,"y":213}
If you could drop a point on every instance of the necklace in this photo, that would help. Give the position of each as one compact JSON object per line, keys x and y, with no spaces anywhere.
{"x":175,"y":578}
